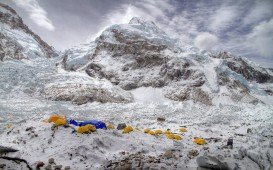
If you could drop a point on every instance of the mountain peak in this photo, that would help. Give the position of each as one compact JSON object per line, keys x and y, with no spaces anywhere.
{"x":7,"y":9}
{"x":136,"y":20}
{"x":137,"y":28}
{"x":140,"y":21}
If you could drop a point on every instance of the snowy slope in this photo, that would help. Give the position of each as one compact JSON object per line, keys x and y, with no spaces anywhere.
{"x":98,"y":150}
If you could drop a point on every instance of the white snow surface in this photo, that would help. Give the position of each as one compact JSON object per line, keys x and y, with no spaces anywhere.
{"x":149,"y":95}
{"x":93,"y":151}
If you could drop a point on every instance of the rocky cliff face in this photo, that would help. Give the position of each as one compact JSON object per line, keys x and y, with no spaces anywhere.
{"x":16,"y":38}
{"x":139,"y":54}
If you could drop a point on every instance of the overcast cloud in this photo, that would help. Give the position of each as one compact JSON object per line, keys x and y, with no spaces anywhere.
{"x":242,"y":27}
{"x":36,"y":13}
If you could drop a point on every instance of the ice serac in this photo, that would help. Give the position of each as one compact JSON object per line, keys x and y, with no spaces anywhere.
{"x":17,"y":40}
{"x":140,"y":54}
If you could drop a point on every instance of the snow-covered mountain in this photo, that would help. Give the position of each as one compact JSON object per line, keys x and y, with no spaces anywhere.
{"x":135,"y":74}
{"x":139,"y":54}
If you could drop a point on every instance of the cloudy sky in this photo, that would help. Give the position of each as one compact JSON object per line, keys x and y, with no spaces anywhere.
{"x":243,"y":27}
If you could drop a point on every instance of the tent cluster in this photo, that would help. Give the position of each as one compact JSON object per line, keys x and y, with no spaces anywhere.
{"x":200,"y":141}
{"x":168,"y":133}
{"x":58,"y":120}
{"x":84,"y":127}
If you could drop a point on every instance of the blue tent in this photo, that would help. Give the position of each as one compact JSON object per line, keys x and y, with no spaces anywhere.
{"x":97,"y":123}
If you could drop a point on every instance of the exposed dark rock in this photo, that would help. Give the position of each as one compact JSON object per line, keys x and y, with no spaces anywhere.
{"x":194,"y":93}
{"x":17,"y":160}
{"x":40,"y":164}
{"x":249,"y":130}
{"x":4,"y":149}
{"x":90,"y":72}
{"x":201,"y":96}
{"x":125,"y":68}
{"x":2,"y":165}
{"x":183,"y":95}
{"x":29,"y":128}
{"x":230,"y":143}
{"x":269,"y":92}
{"x":57,"y":167}
{"x":51,"y":161}
{"x":160,"y":119}
{"x":147,"y":61}
{"x":192,"y":153}
{"x":130,"y":86}
{"x":67,"y":168}
{"x":121,"y":126}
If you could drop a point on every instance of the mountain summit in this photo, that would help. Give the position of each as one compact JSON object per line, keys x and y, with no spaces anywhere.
{"x":148,"y":26}
{"x":136,"y":20}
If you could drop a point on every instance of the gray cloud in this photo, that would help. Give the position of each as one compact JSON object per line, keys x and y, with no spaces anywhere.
{"x":36,"y":13}
{"x":261,"y":10}
{"x":261,"y":38}
{"x":223,"y":18}
{"x":206,"y":41}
